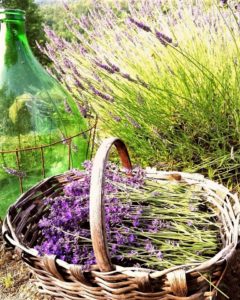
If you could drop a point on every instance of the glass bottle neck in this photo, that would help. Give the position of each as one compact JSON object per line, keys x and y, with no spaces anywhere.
{"x":13,"y":32}
{"x":13,"y":40}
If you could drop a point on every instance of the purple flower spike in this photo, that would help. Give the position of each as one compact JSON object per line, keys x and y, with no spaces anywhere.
{"x":67,"y":107}
{"x":133,"y":253}
{"x":128,"y":77}
{"x":159,"y":255}
{"x":105,"y":67}
{"x":100,"y":94}
{"x":115,"y":118}
{"x":14,"y":172}
{"x":140,"y":25}
{"x":113,"y":66}
{"x":83,"y":109}
{"x":164,"y":39}
{"x":63,"y":139}
{"x":79,"y":84}
{"x":67,"y":63}
{"x":131,"y":238}
{"x":149,"y":247}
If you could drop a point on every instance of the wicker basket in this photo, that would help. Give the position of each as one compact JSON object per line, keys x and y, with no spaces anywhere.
{"x":107,"y":281}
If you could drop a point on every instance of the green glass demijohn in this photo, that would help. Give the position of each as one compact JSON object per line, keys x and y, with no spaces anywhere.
{"x":41,"y":127}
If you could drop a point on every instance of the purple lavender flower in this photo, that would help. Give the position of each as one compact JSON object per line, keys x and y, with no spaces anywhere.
{"x":67,"y":107}
{"x":75,"y":72}
{"x":135,"y":221}
{"x":140,"y":25}
{"x":50,"y":33}
{"x":115,"y":118}
{"x":149,"y":247}
{"x":67,"y":63}
{"x":164,"y":39}
{"x":133,"y":122}
{"x":87,"y":165}
{"x":133,"y":253}
{"x":105,"y":67}
{"x":76,"y":188}
{"x":113,"y":66}
{"x":114,"y":249}
{"x":100,"y":94}
{"x":79,"y":84}
{"x":159,"y":255}
{"x":84,"y":109}
{"x":63,"y":139}
{"x":14,"y":172}
{"x":120,"y":239}
{"x":84,"y":22}
{"x":128,"y":77}
{"x":131,"y":238}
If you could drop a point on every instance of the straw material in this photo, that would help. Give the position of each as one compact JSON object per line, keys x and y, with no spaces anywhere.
{"x":105,"y":280}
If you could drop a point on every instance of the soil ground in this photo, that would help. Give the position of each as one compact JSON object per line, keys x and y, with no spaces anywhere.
{"x":15,"y":281}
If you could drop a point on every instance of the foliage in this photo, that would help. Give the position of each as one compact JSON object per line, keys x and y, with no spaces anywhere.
{"x":160,"y":76}
{"x":146,"y":224}
{"x":55,"y":16}
{"x":34,"y":24}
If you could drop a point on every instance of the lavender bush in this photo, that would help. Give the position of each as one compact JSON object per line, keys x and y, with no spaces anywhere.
{"x":162,"y":75}
{"x":147,"y":223}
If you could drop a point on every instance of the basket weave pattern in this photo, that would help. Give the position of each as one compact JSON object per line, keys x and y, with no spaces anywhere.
{"x":107,"y":281}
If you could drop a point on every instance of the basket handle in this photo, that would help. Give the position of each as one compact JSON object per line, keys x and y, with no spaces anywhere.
{"x":97,"y":212}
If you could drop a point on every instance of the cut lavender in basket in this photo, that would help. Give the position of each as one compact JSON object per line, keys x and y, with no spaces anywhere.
{"x":147,"y":223}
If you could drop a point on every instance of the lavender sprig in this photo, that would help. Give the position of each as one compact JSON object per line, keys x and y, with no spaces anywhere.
{"x":107,"y":68}
{"x":67,"y":107}
{"x":101,"y":94}
{"x":164,"y":39}
{"x":140,"y":25}
{"x":14,"y":172}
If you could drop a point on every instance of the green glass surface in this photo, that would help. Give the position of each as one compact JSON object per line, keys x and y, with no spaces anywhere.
{"x":35,"y":111}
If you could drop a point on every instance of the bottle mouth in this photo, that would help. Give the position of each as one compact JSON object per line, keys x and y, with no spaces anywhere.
{"x":12,"y":14}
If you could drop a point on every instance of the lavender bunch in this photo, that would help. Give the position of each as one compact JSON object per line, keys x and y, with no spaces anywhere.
{"x":146,"y":223}
{"x":66,"y":228}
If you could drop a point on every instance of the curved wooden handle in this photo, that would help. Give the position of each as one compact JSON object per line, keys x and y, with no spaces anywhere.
{"x":97,"y":211}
